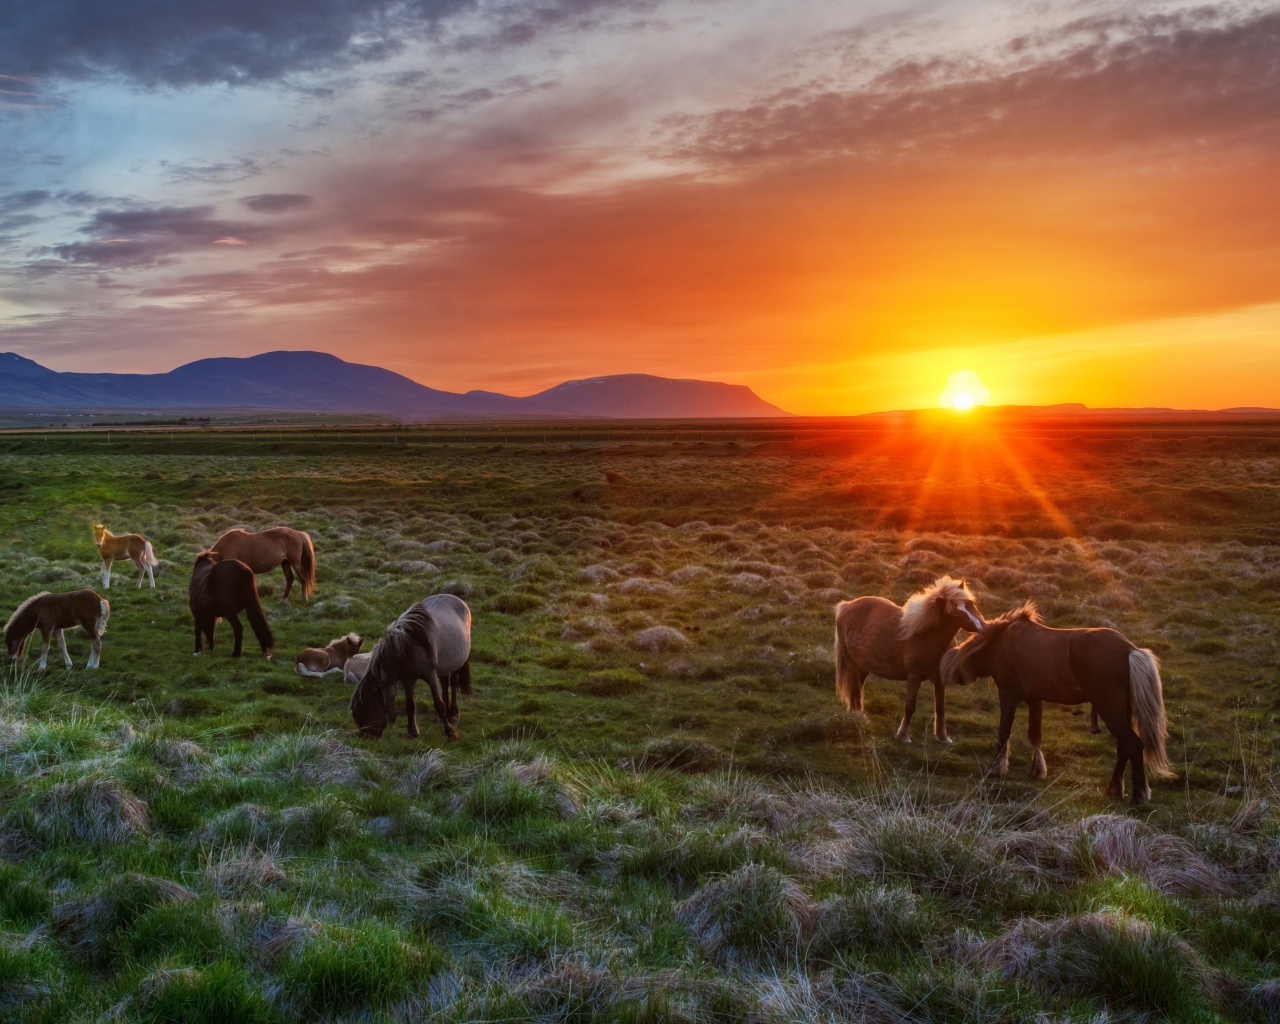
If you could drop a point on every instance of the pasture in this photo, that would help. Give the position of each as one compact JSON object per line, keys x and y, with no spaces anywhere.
{"x":658,"y":809}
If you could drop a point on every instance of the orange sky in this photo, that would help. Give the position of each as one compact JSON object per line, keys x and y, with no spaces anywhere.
{"x":836,"y":207}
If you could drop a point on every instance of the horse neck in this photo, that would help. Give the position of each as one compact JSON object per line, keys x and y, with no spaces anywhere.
{"x":939,"y":635}
{"x":24,"y":622}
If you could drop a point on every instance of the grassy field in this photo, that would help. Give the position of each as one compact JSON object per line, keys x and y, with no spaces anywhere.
{"x":657,"y":809}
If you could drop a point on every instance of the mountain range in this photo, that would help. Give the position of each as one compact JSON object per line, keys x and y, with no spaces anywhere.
{"x":322,"y":383}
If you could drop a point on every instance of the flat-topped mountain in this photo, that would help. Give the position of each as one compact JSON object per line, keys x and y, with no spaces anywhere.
{"x":322,"y":383}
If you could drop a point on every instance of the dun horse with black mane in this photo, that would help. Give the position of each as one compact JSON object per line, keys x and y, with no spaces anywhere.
{"x":222,"y":588}
{"x":431,"y":641}
{"x":876,"y":637}
{"x":281,"y":546}
{"x":1031,"y":663}
{"x":52,"y":613}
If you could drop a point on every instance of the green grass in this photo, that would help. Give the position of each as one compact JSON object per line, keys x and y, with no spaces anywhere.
{"x":657,"y":809}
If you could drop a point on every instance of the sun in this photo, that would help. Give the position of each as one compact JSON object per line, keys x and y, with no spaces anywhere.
{"x":964,"y":391}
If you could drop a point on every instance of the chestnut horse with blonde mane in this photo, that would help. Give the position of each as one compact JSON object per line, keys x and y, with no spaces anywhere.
{"x":51,"y":614}
{"x":281,"y":546}
{"x":132,"y":546}
{"x":1031,"y":663}
{"x":876,"y":637}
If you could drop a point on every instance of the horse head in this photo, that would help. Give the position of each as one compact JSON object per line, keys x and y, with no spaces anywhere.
{"x":962,"y":607}
{"x":373,"y":702}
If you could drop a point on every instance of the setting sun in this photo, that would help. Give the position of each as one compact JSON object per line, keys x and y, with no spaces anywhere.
{"x":964,"y":390}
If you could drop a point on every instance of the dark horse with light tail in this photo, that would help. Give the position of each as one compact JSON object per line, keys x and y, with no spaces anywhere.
{"x":876,"y":637}
{"x":222,"y":588}
{"x":1032,"y":663}
{"x":431,"y":641}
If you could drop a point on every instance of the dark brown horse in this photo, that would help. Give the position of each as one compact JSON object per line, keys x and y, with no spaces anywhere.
{"x":431,"y":641}
{"x":876,"y":637}
{"x":1032,"y":663}
{"x":222,"y":588}
{"x":52,"y":613}
{"x":281,"y":546}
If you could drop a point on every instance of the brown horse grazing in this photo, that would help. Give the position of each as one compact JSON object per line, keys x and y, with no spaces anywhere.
{"x":52,"y":613}
{"x":319,"y":661}
{"x":281,"y":546}
{"x":221,"y":588}
{"x":1032,"y":663}
{"x":132,"y":546}
{"x":430,"y":641}
{"x":876,"y":637}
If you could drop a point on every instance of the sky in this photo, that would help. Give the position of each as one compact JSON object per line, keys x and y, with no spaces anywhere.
{"x":839,"y":203}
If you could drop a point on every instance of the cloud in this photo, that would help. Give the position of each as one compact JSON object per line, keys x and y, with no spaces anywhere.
{"x":225,"y":172}
{"x":148,"y":236}
{"x":1116,"y":82}
{"x":277,"y":202}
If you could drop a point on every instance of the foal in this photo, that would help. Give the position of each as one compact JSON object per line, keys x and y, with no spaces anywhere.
{"x":132,"y":546}
{"x":320,"y":661}
{"x":52,"y":613}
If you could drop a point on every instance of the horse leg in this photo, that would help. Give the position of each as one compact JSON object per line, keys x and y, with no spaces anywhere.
{"x":1008,"y":708}
{"x":411,"y":708}
{"x":1115,"y":788}
{"x":199,"y":642}
{"x":1141,"y":791}
{"x":66,"y":658}
{"x":142,"y":572}
{"x":288,"y":579}
{"x":106,"y":573}
{"x":442,"y":712}
{"x":1035,"y":719}
{"x":151,"y":575}
{"x":45,"y":637}
{"x":453,"y":698}
{"x":913,"y":691}
{"x":940,"y":712}
{"x":95,"y":649}
{"x":237,"y":631}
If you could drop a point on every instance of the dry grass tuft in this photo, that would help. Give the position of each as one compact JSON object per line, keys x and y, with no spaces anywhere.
{"x":425,"y":771}
{"x":658,"y":639}
{"x":88,"y":923}
{"x":754,"y":914}
{"x":236,"y":871}
{"x":321,"y":759}
{"x":92,"y":809}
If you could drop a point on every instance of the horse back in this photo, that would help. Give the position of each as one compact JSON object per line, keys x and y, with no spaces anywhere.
{"x":450,"y":631}
{"x":1100,"y":659}
{"x":868,"y":628}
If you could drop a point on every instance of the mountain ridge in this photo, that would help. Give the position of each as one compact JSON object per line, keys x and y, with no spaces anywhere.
{"x":307,"y":381}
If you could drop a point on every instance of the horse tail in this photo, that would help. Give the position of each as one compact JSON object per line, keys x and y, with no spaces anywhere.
{"x":1147,"y":695}
{"x":258,"y":622}
{"x":104,"y":612}
{"x":307,"y":569}
{"x":463,"y":678}
{"x":846,"y":670}
{"x":149,"y":555}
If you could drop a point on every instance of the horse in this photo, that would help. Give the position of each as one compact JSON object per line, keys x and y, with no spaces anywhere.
{"x":355,"y":668}
{"x":876,"y":637}
{"x":319,"y":661}
{"x":132,"y":546}
{"x":281,"y":546}
{"x":1032,"y":663}
{"x":52,"y":613}
{"x":430,"y":641}
{"x":221,"y":588}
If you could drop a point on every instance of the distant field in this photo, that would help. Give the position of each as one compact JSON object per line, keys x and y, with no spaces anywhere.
{"x":654,"y":721}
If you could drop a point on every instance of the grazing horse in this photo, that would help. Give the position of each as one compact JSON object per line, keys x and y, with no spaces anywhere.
{"x":1032,"y":663}
{"x":281,"y":546}
{"x":319,"y":661}
{"x":132,"y":546}
{"x":876,"y":637}
{"x":222,"y":588}
{"x":52,"y":613}
{"x":430,"y":641}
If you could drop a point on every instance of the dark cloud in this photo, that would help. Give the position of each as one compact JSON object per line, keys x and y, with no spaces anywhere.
{"x":146,"y":236}
{"x":224,"y":172}
{"x":1111,"y":83}
{"x":199,"y":42}
{"x":277,"y":202}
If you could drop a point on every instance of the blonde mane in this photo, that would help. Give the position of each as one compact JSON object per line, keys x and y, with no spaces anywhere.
{"x":22,"y":608}
{"x":924,"y":608}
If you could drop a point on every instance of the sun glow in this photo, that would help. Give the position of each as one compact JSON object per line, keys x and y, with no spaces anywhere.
{"x":964,"y":390}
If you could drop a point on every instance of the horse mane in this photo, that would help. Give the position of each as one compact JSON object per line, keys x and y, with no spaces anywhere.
{"x":1025,"y":612}
{"x":20,"y":611}
{"x":924,"y":608}
{"x":956,"y":657}
{"x":412,"y":629}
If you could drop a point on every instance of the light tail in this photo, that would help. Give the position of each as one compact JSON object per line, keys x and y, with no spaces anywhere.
{"x":104,"y":612}
{"x":307,"y":571}
{"x":149,"y":555}
{"x":1147,"y":696}
{"x":846,"y":671}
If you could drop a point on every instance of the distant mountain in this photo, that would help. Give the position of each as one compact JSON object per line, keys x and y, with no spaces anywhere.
{"x":654,"y":398}
{"x":322,"y":383}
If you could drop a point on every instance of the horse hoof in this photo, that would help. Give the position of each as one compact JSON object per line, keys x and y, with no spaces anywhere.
{"x":1143,"y":797}
{"x":944,"y":739}
{"x":903,"y":739}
